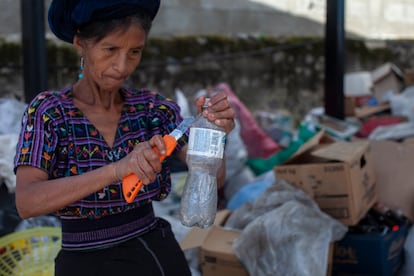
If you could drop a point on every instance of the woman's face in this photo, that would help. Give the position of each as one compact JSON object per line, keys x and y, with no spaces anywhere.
{"x":110,"y":61}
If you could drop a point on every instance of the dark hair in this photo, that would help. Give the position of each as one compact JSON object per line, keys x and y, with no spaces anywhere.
{"x":97,"y":30}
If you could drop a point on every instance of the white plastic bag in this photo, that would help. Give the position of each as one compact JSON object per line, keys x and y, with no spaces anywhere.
{"x":284,"y":233}
{"x":11,"y":113}
{"x":7,"y":152}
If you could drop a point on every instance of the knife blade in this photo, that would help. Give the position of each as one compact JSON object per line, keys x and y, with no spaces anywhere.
{"x":131,"y":184}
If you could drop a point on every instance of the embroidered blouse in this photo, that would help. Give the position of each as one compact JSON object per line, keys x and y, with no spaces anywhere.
{"x":58,"y":138}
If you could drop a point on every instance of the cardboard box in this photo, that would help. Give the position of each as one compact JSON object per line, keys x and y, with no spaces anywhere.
{"x":352,"y":109}
{"x":409,"y":77}
{"x":393,"y":164}
{"x":349,"y":106}
{"x":216,"y":254}
{"x":366,"y":111}
{"x":339,"y":176}
{"x":387,"y":79}
{"x":369,"y":254}
{"x":380,"y":82}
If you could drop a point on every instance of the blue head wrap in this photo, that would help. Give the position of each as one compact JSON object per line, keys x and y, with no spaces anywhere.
{"x":67,"y":16}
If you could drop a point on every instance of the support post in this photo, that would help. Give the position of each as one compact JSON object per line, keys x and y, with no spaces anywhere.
{"x":34,"y":47}
{"x":334,"y":58}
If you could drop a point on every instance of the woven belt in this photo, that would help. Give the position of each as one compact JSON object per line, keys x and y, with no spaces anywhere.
{"x":87,"y":234}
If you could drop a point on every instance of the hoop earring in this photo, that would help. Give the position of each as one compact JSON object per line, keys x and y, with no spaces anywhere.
{"x":80,"y":75}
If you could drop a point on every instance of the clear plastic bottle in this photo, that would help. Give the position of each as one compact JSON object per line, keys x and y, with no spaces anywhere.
{"x":204,"y":158}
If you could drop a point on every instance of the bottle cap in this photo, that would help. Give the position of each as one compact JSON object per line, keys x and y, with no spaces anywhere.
{"x":206,"y":101}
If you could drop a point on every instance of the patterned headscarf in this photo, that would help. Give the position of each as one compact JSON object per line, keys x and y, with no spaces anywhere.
{"x":67,"y":16}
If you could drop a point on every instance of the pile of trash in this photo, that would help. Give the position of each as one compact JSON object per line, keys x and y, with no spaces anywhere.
{"x":278,"y":223}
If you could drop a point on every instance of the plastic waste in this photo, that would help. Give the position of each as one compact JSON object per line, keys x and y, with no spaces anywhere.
{"x":248,"y":193}
{"x":260,"y":165}
{"x":284,"y":232}
{"x":258,"y":143}
{"x":204,"y":158}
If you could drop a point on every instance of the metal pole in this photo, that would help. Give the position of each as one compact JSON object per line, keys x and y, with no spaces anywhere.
{"x":34,"y":47}
{"x":334,"y":58}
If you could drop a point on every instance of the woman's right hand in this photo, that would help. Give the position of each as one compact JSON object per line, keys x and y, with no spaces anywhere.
{"x":143,"y":161}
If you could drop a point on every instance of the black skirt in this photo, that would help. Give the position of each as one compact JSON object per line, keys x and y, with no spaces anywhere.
{"x":154,"y":253}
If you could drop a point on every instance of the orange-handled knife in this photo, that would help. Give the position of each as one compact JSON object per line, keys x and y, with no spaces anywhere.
{"x":131,"y":184}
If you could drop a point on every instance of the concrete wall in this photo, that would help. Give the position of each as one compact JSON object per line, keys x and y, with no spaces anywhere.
{"x":272,"y":78}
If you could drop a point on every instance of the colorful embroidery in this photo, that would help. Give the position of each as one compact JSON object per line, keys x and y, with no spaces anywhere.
{"x":59,"y":139}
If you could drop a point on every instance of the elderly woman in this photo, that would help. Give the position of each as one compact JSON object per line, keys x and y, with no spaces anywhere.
{"x":78,"y":143}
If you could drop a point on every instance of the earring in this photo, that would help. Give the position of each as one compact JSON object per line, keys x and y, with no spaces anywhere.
{"x":80,"y":75}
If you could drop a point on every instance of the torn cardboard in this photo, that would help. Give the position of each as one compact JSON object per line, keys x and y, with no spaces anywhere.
{"x":387,"y":79}
{"x":216,"y":255}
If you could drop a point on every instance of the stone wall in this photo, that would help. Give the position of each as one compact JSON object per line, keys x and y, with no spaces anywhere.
{"x":267,"y":74}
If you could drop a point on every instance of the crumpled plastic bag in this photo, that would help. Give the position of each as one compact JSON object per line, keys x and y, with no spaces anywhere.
{"x":284,"y":233}
{"x":40,"y":221}
{"x":273,"y":197}
{"x":402,"y":104}
{"x":182,"y":102}
{"x":11,"y":113}
{"x":393,"y":132}
{"x":7,"y":152}
{"x":249,"y":192}
{"x":238,"y":174}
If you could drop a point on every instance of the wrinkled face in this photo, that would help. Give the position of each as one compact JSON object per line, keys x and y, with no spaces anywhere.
{"x":110,"y":61}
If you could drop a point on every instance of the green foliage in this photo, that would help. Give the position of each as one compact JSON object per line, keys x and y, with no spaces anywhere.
{"x":61,"y":55}
{"x":196,"y":47}
{"x":10,"y":53}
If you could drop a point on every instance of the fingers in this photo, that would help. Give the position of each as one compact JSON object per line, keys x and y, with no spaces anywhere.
{"x":157,"y":143}
{"x":145,"y":164}
{"x":199,"y":103}
{"x":219,"y":110}
{"x":143,"y":161}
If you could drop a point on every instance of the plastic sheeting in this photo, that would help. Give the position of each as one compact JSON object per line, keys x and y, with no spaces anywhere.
{"x":284,"y":233}
{"x":251,"y":191}
{"x":403,"y":104}
{"x":11,"y":112}
{"x":393,"y":132}
{"x":7,"y":151}
{"x":238,"y":174}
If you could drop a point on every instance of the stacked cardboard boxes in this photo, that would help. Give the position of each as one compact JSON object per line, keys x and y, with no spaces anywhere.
{"x":368,"y":92}
{"x":216,"y":256}
{"x":339,"y":176}
{"x":342,"y":179}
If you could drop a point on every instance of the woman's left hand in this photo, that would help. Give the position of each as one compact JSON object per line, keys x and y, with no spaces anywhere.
{"x":219,"y":110}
